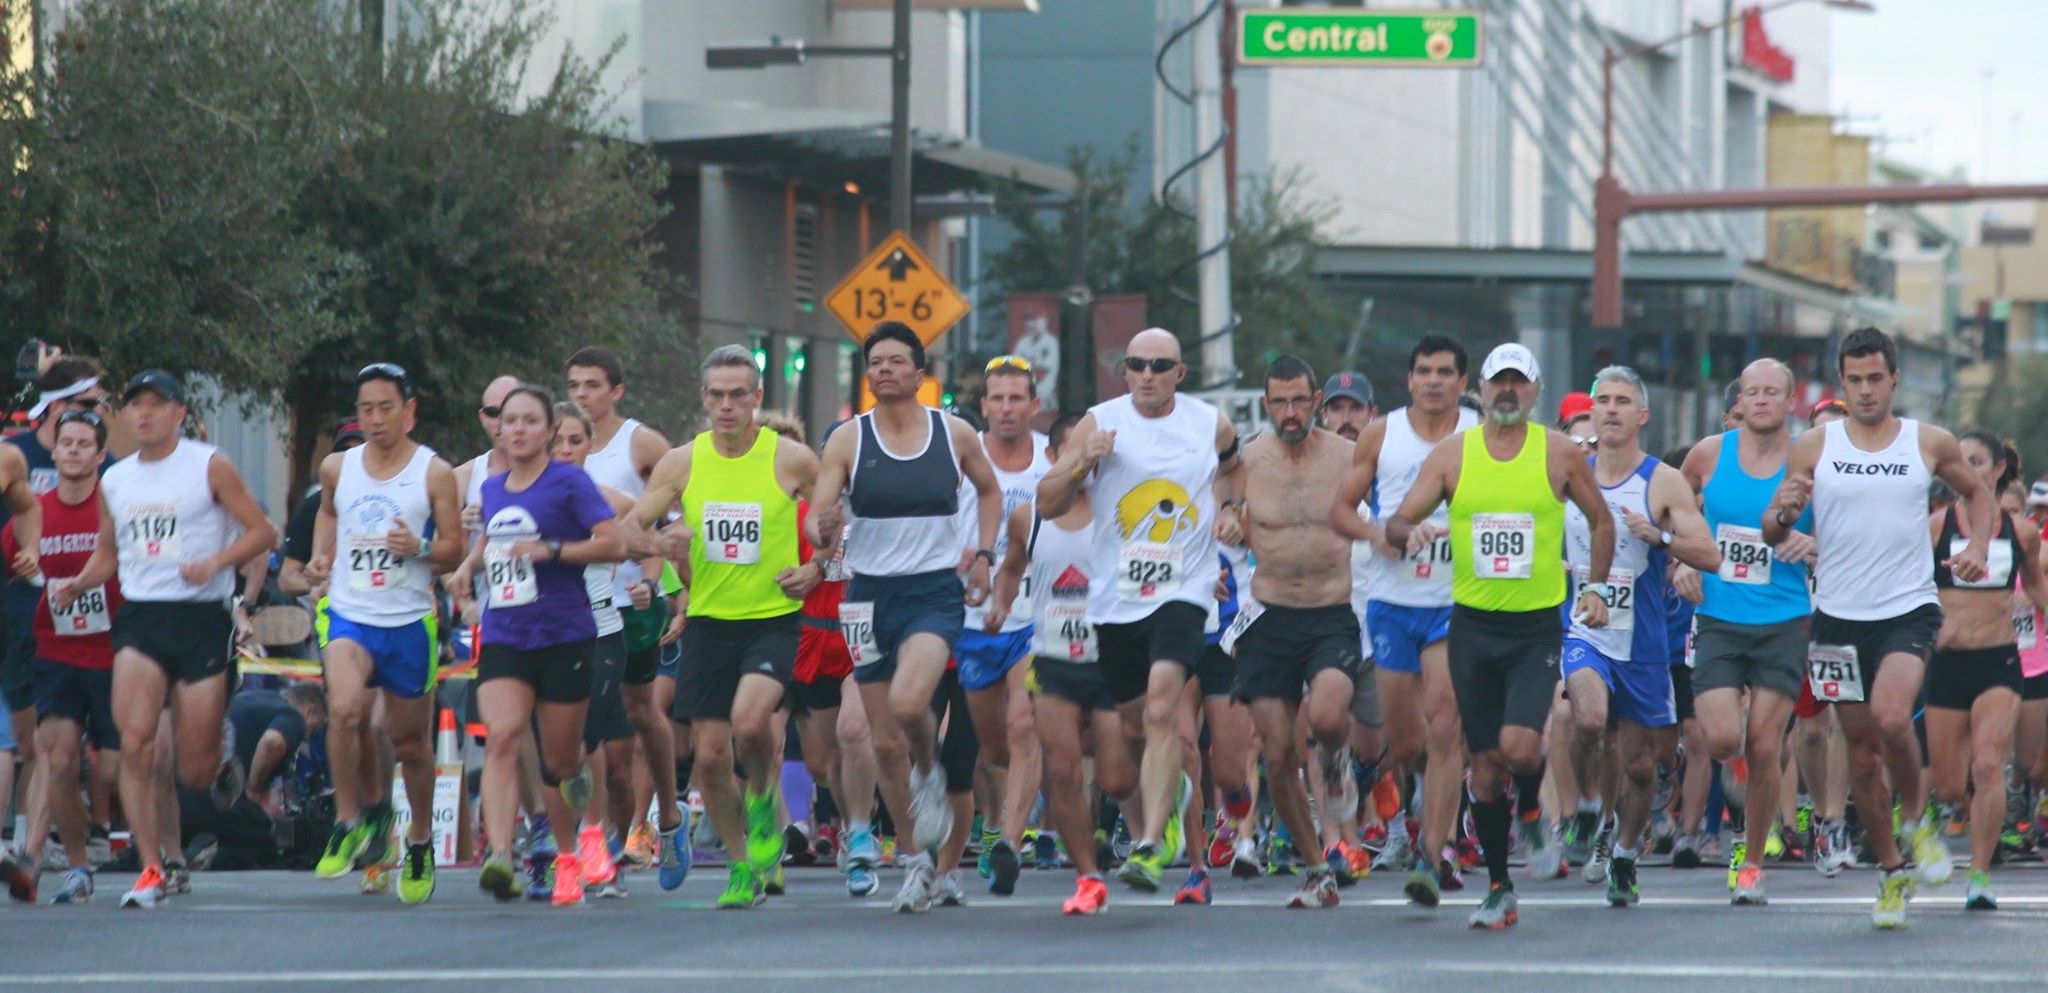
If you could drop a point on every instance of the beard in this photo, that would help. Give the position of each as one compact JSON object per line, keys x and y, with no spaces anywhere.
{"x":1292,"y":432}
{"x":1506,"y":418}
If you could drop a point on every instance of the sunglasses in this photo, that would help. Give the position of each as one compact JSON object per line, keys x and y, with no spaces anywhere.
{"x":490,"y":412}
{"x":387,"y":370}
{"x":88,"y":403}
{"x":1155,"y":366}
{"x":1017,"y":362}
{"x":1586,"y":442}
{"x":86,"y":417}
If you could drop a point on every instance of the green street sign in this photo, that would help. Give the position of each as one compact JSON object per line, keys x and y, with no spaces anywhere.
{"x":1333,"y":38}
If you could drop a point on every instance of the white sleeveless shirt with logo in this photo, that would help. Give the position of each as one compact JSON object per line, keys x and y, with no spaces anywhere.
{"x":165,"y":516}
{"x":371,"y":585}
{"x":1870,"y":526}
{"x":1061,"y":561}
{"x":1422,"y":580}
{"x":1155,"y":508}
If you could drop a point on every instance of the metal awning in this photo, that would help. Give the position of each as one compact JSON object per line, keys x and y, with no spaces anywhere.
{"x":1517,"y":264}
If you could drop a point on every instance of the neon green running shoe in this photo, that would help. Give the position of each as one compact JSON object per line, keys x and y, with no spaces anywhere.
{"x":1774,"y":844}
{"x":1738,"y":855}
{"x":344,"y":850}
{"x":742,"y":890}
{"x":764,"y":836}
{"x":416,"y":873}
{"x":1171,"y":839}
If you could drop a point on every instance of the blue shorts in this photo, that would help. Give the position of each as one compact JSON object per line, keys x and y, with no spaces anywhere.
{"x":671,"y":660}
{"x":1639,"y":693}
{"x":7,"y":742}
{"x":404,"y":660}
{"x":1399,"y":634}
{"x":920,"y":603}
{"x":986,"y":658}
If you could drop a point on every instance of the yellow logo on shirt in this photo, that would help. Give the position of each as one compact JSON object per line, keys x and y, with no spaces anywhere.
{"x":1160,"y":507}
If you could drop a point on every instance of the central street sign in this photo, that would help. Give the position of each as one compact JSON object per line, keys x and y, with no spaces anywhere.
{"x":1341,"y":38}
{"x":896,"y":283}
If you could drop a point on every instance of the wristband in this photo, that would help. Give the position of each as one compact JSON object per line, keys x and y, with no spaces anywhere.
{"x":1665,"y":538}
{"x":983,"y":553}
{"x":554,"y":551}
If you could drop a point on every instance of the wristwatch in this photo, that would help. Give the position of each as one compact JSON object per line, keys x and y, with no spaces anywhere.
{"x":1601,"y":590}
{"x":983,"y":553}
{"x":554,"y":551}
{"x":1665,"y":538}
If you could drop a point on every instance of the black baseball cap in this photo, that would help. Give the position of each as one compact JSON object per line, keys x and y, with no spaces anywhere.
{"x":348,"y":431}
{"x":1348,"y":384}
{"x":156,"y":381}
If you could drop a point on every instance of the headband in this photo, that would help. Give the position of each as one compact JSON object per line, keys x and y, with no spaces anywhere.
{"x":44,"y":400}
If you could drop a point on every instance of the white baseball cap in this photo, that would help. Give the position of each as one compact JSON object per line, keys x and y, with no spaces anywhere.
{"x":1510,"y":356}
{"x":2038,"y":495}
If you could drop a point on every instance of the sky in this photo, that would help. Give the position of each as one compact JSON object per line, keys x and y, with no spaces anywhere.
{"x":1913,"y":73}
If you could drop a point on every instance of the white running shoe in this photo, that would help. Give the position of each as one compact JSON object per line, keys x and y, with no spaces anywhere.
{"x":916,"y":895}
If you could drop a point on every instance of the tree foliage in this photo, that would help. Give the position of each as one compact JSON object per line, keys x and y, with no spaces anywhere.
{"x":252,"y":190}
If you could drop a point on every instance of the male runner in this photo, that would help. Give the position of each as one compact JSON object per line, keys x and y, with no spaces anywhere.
{"x":1507,"y":484}
{"x":166,"y":515}
{"x":1409,"y":609}
{"x":1618,"y":677}
{"x":390,"y":517}
{"x":1751,"y":628}
{"x":623,"y":454}
{"x":904,"y":606}
{"x":1346,"y":409}
{"x":738,"y":485}
{"x":989,"y":668}
{"x":1298,"y":628}
{"x":27,"y":471}
{"x":1876,"y":612}
{"x":1161,"y":469}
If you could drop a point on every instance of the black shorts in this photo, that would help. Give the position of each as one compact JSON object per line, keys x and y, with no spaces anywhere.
{"x":1078,"y":683}
{"x":557,"y":673}
{"x":716,"y":653}
{"x":959,"y":748}
{"x":643,"y":642}
{"x":1171,"y":633}
{"x":2035,"y":688}
{"x":606,"y":719}
{"x":904,"y":606}
{"x":1503,"y":670}
{"x":189,"y":640}
{"x":17,"y":658}
{"x":1910,"y":633}
{"x":1681,"y":691}
{"x":1286,"y":648}
{"x":1956,"y":677}
{"x":85,"y":696}
{"x":1216,"y":671}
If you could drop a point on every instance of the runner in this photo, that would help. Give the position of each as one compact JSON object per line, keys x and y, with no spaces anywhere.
{"x":544,"y":522}
{"x":72,"y":674}
{"x":1346,"y":409}
{"x":1973,"y":680}
{"x":167,"y":513}
{"x":738,"y":486}
{"x":1618,"y":677}
{"x":390,"y":510}
{"x":1876,"y":609}
{"x":1507,"y":484}
{"x":903,"y":607}
{"x":27,"y":471}
{"x":1750,"y":634}
{"x":1298,"y":628}
{"x":1409,"y":612}
{"x":623,"y":456}
{"x":989,"y":669}
{"x":1162,"y":469}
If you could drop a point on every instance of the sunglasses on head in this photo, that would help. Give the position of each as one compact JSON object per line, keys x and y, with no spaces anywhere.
{"x":86,"y":417}
{"x":1017,"y":362}
{"x":1155,"y":366}
{"x":388,"y":371}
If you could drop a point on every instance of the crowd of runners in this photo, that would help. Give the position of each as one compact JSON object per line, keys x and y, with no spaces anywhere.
{"x":1441,"y":639}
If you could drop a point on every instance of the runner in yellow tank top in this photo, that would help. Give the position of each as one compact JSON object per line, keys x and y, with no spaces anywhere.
{"x":1507,"y":482}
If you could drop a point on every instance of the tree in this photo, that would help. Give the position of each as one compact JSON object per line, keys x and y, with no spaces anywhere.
{"x":254,"y":191}
{"x":1146,"y":247}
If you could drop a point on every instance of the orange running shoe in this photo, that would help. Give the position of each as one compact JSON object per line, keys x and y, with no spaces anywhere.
{"x":1386,"y":798}
{"x":568,"y":881}
{"x":1091,"y":896}
{"x":593,"y":856}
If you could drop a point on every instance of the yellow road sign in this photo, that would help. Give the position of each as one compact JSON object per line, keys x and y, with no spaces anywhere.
{"x":896,"y":283}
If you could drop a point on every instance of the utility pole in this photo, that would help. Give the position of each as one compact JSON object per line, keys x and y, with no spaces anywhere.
{"x":899,"y":119}
{"x":1212,"y":203}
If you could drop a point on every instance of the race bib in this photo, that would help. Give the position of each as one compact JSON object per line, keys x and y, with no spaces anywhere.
{"x":87,"y":615}
{"x":1997,"y":565}
{"x":1146,"y":571}
{"x":1066,"y":633}
{"x":508,"y":577}
{"x":1620,"y":598}
{"x":1745,"y":559}
{"x":1503,"y":545}
{"x":857,"y":626}
{"x":1432,"y":564}
{"x":1834,"y":674}
{"x":371,"y":567}
{"x":1248,"y":611}
{"x":2026,"y":626}
{"x":152,"y":530}
{"x":732,"y":533}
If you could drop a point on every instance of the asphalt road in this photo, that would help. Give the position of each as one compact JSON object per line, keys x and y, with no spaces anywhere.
{"x":287,"y":931}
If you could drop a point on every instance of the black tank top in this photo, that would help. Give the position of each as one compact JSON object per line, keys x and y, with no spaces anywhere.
{"x":1950,"y":534}
{"x":924,"y":485}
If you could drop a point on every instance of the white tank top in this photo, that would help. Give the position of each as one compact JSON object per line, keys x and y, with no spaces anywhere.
{"x":479,"y":470}
{"x":1154,"y":511}
{"x":613,"y":466}
{"x":1870,"y":524}
{"x":1422,"y":580}
{"x":370,"y":585}
{"x":1017,"y":488}
{"x":1061,"y":562}
{"x":164,"y":516}
{"x":1631,"y":562}
{"x":604,"y":606}
{"x":904,"y":510}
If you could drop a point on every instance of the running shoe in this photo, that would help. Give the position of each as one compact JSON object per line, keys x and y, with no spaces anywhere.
{"x":1738,"y":856}
{"x":1932,"y":863}
{"x":1045,"y":851}
{"x":1497,"y":911}
{"x":1894,"y":889}
{"x":1194,"y":892}
{"x":983,"y":863}
{"x":1749,"y":887}
{"x":1422,"y":888}
{"x":1545,"y":855}
{"x":576,"y":789}
{"x":947,"y":892}
{"x":540,"y":877}
{"x":1172,"y":837}
{"x":377,"y":878}
{"x":1339,"y":861}
{"x":1357,"y":860}
{"x":1091,"y":896}
{"x":1222,"y":841}
{"x":1622,"y":888}
{"x":764,"y":837}
{"x":148,"y":893}
{"x":916,"y":895}
{"x":593,"y":861}
{"x":416,"y":874}
{"x":796,"y":845}
{"x":1832,"y":851}
{"x":1399,"y":851}
{"x":676,"y":853}
{"x":1685,"y":852}
{"x":99,"y":846}
{"x":228,"y":780}
{"x":931,"y":815}
{"x":742,"y":889}
{"x":1603,"y":854}
{"x":344,"y":851}
{"x":1449,"y":877}
{"x":19,"y":876}
{"x":1003,"y":867}
{"x":1340,"y":787}
{"x":77,"y":887}
{"x":540,"y":837}
{"x":1774,"y":844}
{"x":1120,"y":843}
{"x":1244,"y":859}
{"x":379,"y":821}
{"x":177,"y":879}
{"x":863,"y":852}
{"x":1978,"y":895}
{"x":1318,"y":892}
{"x":1280,"y":854}
{"x":615,"y":889}
{"x":498,"y":878}
{"x":1142,"y":870}
{"x":1578,"y":837}
{"x":771,"y":884}
{"x":639,"y":847}
{"x":861,"y":880}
